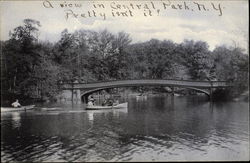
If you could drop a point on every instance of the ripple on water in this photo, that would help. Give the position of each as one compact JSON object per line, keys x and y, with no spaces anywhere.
{"x":142,"y":134}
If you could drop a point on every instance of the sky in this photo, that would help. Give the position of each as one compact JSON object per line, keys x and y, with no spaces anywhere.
{"x":216,"y":22}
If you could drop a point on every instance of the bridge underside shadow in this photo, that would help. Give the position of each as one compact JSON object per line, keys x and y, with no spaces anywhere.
{"x":86,"y":93}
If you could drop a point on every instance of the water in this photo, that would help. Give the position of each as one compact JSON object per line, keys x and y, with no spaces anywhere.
{"x":151,"y":129}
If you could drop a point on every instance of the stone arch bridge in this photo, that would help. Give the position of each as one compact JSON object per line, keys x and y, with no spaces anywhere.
{"x":78,"y":91}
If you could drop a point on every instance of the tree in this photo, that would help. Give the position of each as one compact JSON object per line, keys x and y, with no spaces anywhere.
{"x":21,"y":54}
{"x":231,"y":64}
{"x":107,"y":56}
{"x":29,"y":68}
{"x":196,"y":57}
{"x":153,"y":59}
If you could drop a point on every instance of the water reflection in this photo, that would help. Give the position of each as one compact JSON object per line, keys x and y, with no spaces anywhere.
{"x":15,"y":116}
{"x":155,"y":129}
{"x":91,"y":116}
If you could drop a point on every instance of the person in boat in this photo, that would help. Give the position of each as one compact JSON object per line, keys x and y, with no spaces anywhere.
{"x":116,"y":102}
{"x":91,"y":101}
{"x":108,"y":102}
{"x":104,"y":102}
{"x":16,"y":104}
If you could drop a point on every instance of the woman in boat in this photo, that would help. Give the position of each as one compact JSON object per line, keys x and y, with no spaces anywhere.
{"x":16,"y":104}
{"x":91,"y":101}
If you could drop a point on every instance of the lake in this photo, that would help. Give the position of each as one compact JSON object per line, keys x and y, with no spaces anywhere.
{"x":154,"y":128}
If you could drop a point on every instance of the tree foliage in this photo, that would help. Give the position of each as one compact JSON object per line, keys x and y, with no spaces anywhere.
{"x":197,"y":59}
{"x":34,"y":68}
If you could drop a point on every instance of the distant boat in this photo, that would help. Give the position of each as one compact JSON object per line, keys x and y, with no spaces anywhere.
{"x":12,"y":109}
{"x":98,"y":107}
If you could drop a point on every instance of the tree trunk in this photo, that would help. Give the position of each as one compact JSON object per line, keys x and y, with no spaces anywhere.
{"x":14,"y":81}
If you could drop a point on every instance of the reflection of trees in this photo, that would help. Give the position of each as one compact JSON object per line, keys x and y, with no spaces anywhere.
{"x":231,"y":120}
{"x":186,"y":124}
{"x":196,"y":101}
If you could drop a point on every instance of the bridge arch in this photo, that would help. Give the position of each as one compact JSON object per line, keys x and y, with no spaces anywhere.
{"x":85,"y":94}
{"x":199,"y":90}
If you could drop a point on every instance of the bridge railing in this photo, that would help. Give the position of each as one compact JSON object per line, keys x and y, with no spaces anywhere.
{"x":138,"y":82}
{"x":92,"y":82}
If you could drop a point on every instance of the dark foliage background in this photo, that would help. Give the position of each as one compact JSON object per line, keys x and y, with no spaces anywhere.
{"x":33,"y":68}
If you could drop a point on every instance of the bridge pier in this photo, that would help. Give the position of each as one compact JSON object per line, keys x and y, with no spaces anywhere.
{"x":71,"y":95}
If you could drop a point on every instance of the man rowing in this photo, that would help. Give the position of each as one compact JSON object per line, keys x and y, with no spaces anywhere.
{"x":16,"y":104}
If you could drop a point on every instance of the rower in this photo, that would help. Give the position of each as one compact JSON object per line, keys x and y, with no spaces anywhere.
{"x":16,"y":104}
{"x":90,"y":103}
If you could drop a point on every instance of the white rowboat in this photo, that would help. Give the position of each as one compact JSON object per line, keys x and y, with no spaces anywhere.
{"x":12,"y":109}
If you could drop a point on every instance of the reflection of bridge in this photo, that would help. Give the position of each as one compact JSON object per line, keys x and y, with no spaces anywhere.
{"x":84,"y":89}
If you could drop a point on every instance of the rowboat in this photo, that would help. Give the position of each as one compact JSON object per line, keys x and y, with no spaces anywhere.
{"x":12,"y":109}
{"x":97,"y":107}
